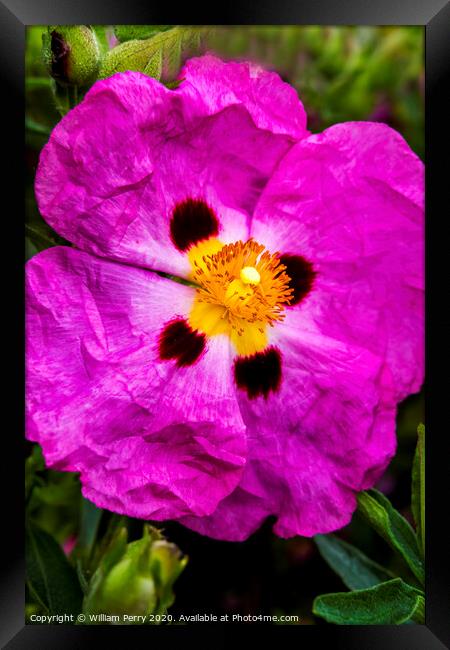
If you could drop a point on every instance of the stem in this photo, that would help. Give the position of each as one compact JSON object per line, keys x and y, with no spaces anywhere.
{"x":73,"y":96}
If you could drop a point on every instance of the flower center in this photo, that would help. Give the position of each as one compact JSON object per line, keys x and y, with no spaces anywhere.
{"x":242,"y":289}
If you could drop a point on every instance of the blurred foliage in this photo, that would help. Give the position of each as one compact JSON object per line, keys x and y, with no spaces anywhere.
{"x":341,"y":74}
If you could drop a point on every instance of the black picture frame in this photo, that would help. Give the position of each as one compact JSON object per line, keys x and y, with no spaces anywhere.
{"x":434,"y":15}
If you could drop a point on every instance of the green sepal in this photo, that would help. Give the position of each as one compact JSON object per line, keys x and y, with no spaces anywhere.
{"x":167,"y":563}
{"x":122,"y":583}
{"x":389,"y":603}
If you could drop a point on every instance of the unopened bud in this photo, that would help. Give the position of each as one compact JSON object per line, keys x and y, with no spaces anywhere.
{"x":72,"y":54}
{"x":167,"y":563}
{"x":134,"y":578}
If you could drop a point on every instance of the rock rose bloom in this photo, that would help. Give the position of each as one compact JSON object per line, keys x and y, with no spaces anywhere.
{"x":266,"y":383}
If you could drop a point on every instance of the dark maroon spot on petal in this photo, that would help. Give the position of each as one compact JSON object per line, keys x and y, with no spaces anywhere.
{"x":192,"y":220}
{"x":179,"y":341}
{"x":259,"y":373}
{"x":301,"y":274}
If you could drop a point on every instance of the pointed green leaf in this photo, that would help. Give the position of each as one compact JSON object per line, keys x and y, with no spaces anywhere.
{"x":51,"y":578}
{"x":389,"y":603}
{"x":35,"y":127}
{"x":30,"y":249}
{"x":154,"y":66}
{"x":102,"y":37}
{"x":174,"y":84}
{"x":355,"y":569}
{"x":139,"y":54}
{"x":394,"y":528}
{"x":90,"y":521}
{"x":42,"y":236}
{"x":418,"y":488}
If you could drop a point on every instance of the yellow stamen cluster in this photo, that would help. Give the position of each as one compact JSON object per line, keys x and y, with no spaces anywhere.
{"x":242,"y":288}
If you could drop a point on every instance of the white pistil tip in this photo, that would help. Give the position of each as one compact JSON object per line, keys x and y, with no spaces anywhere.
{"x":249,"y":275}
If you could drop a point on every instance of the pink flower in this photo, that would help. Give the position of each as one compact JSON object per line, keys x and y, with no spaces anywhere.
{"x":269,"y":384}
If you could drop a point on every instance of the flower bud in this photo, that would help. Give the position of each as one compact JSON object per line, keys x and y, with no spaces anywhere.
{"x":72,"y":54}
{"x":135,"y":578}
{"x":167,"y":563}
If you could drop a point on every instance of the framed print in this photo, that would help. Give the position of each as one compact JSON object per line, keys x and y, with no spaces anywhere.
{"x":224,"y":388}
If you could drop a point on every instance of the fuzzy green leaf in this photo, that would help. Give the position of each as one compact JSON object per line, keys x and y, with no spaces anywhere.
{"x":389,"y":603}
{"x":155,"y":65}
{"x":356,"y":570}
{"x":138,"y":32}
{"x":394,"y":528}
{"x":51,"y":579}
{"x":418,"y":488}
{"x":102,"y":37}
{"x":159,"y":56}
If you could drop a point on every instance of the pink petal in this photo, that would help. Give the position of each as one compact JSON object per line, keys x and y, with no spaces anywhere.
{"x":328,"y":433}
{"x":150,"y":439}
{"x":214,"y":84}
{"x":349,"y":200}
{"x":118,"y":164}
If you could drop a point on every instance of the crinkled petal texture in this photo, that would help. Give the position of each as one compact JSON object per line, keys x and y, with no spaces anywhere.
{"x":273,"y":104}
{"x":150,"y":439}
{"x":118,"y":164}
{"x":326,"y":434}
{"x":155,"y":439}
{"x":351,"y":202}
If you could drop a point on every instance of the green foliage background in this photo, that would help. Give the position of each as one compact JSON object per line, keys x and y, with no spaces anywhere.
{"x":340,"y":74}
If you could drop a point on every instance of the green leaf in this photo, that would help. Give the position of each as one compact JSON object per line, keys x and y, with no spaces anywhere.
{"x":138,"y":32}
{"x":112,"y":554}
{"x":174,"y":84}
{"x":389,"y":603}
{"x":154,"y":66}
{"x":158,"y":56}
{"x":35,"y":127}
{"x":40,"y":236}
{"x":102,"y":37}
{"x":34,"y":463}
{"x":58,"y":490}
{"x":30,"y":249}
{"x":355,"y":569}
{"x":418,"y":488}
{"x":51,"y":579}
{"x":90,"y":521}
{"x":394,"y":528}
